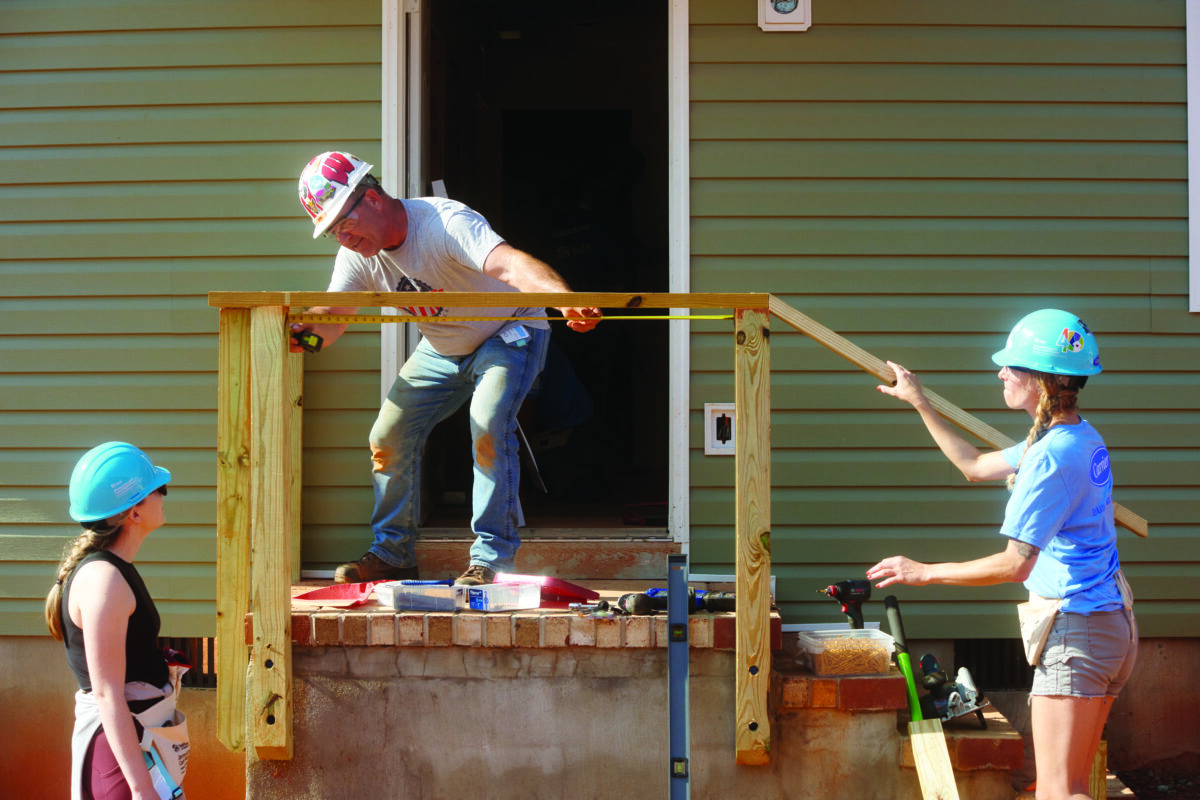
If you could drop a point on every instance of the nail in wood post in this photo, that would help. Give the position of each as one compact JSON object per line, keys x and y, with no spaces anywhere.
{"x":269,"y":681}
{"x":233,"y":522}
{"x":752,"y":457}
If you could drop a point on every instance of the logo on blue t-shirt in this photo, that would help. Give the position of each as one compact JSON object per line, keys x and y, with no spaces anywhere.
{"x":1101,"y":474}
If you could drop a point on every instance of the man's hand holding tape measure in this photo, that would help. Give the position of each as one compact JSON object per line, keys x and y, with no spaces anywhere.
{"x":311,"y":337}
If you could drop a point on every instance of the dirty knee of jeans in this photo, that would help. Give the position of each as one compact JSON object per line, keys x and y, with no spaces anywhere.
{"x":485,"y":451}
{"x":380,"y":458}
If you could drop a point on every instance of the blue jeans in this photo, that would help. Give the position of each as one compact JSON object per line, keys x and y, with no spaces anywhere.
{"x":429,"y":388}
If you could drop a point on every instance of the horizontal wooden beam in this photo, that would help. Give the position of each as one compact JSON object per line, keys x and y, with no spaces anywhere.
{"x":488,"y":299}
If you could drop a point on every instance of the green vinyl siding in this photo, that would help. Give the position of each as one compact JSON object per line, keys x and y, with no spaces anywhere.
{"x":150,"y":154}
{"x":917,"y":176}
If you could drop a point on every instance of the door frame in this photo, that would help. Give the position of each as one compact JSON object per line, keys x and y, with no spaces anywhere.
{"x":401,"y":144}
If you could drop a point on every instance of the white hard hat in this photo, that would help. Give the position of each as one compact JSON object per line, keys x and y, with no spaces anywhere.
{"x":327,"y":183}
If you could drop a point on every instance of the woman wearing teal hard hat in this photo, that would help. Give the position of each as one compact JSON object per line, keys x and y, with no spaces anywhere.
{"x":1078,"y":626}
{"x":100,"y":608}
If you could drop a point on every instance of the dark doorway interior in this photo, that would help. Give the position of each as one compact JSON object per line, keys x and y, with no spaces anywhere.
{"x":551,"y":120}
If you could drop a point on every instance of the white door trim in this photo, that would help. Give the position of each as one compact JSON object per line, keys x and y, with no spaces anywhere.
{"x":401,"y":168}
{"x":679,"y":249}
{"x":400,"y":162}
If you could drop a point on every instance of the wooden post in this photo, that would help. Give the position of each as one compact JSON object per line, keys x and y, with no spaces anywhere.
{"x":233,"y":522}
{"x":295,"y":378}
{"x":1098,"y":780}
{"x":752,"y":437}
{"x":269,"y":680}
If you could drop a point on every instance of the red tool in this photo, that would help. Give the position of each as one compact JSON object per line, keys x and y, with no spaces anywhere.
{"x":340,"y":595}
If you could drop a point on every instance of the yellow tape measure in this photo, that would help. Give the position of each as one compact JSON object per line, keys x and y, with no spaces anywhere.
{"x":366,"y":318}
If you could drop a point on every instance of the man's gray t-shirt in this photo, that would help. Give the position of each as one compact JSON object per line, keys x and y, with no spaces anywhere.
{"x":443,"y":251}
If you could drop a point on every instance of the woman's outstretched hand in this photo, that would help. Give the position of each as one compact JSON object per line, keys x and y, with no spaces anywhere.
{"x":898,"y":569}
{"x":907,"y":386}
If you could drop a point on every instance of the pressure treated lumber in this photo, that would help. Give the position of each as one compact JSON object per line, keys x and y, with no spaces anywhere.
{"x":260,"y":400}
{"x":233,"y":522}
{"x":301,"y":300}
{"x":934,"y":770}
{"x":269,"y":681}
{"x":879,"y":368}
{"x":752,"y":460}
{"x":295,"y":398}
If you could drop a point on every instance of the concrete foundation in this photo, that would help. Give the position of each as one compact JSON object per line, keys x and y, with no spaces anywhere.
{"x":560,"y":722}
{"x":567,"y":722}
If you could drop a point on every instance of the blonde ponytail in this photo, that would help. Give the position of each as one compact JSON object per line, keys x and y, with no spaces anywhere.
{"x":96,"y":536}
{"x":1058,"y":397}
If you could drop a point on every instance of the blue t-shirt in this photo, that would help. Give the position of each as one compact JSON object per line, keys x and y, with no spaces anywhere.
{"x":1062,"y":504}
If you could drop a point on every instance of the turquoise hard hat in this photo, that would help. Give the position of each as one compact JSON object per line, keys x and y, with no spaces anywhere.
{"x":111,"y":478}
{"x":1053,"y":341}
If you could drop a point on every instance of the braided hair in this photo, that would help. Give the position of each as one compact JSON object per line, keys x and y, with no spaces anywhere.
{"x":97,"y":535}
{"x":1058,"y":397}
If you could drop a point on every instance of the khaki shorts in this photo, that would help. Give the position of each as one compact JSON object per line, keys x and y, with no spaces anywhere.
{"x":1087,"y":655}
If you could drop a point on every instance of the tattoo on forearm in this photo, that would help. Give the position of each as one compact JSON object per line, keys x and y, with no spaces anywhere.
{"x":1027,"y":550}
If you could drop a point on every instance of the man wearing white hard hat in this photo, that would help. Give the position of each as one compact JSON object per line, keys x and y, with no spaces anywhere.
{"x":389,"y":244}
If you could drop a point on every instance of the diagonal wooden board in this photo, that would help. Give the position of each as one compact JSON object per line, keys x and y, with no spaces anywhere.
{"x":879,"y":368}
{"x":932,"y":758}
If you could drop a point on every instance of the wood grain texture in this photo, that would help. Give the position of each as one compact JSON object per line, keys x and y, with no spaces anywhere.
{"x":934,"y":769}
{"x":233,"y":523}
{"x":301,"y":300}
{"x":295,"y":458}
{"x":877,"y":367}
{"x":269,"y":682}
{"x":752,"y":457}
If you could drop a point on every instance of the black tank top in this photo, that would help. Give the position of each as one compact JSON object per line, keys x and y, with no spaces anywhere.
{"x":143,"y":659}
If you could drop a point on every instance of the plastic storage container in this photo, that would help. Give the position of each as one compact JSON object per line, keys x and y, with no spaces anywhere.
{"x":405,"y":596}
{"x":498,"y":597}
{"x":834,"y":653}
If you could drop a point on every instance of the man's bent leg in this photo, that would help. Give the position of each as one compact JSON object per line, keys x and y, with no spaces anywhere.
{"x":427,"y":391}
{"x":504,"y":375}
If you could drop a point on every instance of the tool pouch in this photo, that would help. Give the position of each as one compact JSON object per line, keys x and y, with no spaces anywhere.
{"x":1037,"y":618}
{"x":165,"y":741}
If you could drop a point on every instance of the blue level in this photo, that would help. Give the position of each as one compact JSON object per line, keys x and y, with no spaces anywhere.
{"x":677,"y":672}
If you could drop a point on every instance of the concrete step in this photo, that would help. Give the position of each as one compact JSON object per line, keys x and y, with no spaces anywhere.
{"x":975,"y":747}
{"x":573,"y":559}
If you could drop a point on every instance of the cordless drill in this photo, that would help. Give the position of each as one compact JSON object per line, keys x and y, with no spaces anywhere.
{"x":851,"y":594}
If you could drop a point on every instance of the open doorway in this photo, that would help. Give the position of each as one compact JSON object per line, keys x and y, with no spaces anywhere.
{"x":550,"y":119}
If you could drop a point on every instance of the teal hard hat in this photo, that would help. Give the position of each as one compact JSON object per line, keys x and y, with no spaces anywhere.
{"x":111,"y":478}
{"x":1054,"y":341}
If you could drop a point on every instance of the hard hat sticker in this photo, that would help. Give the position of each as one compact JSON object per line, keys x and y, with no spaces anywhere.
{"x":337,"y":168}
{"x":123,"y":490}
{"x":1070,"y":341}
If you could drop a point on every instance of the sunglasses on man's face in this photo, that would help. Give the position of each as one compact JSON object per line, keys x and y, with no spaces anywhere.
{"x":333,"y":230}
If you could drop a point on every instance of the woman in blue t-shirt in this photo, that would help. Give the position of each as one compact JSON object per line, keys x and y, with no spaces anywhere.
{"x":100,"y":609}
{"x":1078,"y":627}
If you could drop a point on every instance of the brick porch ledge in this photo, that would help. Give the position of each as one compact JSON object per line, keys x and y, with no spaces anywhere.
{"x":372,"y":627}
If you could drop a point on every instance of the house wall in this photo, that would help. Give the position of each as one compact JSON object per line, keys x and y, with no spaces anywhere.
{"x":151,"y":152}
{"x":917,"y":177}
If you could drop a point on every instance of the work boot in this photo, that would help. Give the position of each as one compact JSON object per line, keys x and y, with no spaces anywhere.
{"x":372,"y":568}
{"x":476,"y":575}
